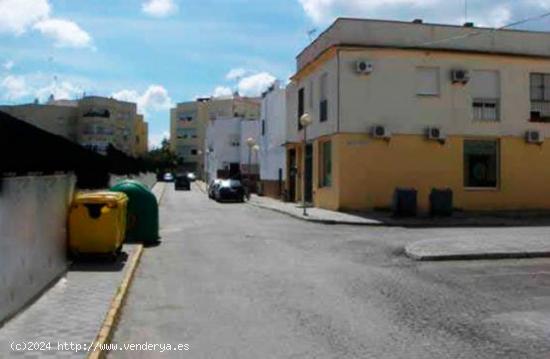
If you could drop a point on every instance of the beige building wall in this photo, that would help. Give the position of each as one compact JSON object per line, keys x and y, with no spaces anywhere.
{"x":106,"y":120}
{"x":59,"y":120}
{"x":141,"y":136}
{"x":94,"y":122}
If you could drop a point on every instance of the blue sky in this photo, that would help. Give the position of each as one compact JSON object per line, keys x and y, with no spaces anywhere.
{"x":159,"y":52}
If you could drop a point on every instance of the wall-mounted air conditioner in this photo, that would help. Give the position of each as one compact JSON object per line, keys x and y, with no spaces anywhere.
{"x":533,"y":136}
{"x":364,"y":67}
{"x":435,"y":134}
{"x":380,"y":132}
{"x":460,"y":76}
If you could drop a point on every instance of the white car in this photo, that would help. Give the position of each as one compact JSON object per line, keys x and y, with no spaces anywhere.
{"x":168,"y":177}
{"x":191,"y":177}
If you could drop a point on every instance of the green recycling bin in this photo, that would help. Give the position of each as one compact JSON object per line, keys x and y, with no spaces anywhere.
{"x":143,"y":212}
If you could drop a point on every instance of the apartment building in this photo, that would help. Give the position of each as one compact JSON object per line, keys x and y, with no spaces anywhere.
{"x":421,"y":106}
{"x":189,"y":120}
{"x":272,"y":156}
{"x":53,"y":118}
{"x":103,"y":121}
{"x":94,"y":122}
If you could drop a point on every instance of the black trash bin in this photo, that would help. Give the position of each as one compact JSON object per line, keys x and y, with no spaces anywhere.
{"x":405,"y":202}
{"x":441,"y":202}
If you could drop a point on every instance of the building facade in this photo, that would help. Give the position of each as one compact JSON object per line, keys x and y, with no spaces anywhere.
{"x":94,"y":122}
{"x":272,"y":155}
{"x":189,"y":121}
{"x":413,"y":105}
{"x":59,"y":120}
{"x":223,"y":143}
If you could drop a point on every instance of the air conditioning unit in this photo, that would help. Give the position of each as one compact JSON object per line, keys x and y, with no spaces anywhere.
{"x":364,"y":67}
{"x":435,"y":134}
{"x":534,"y":136}
{"x":380,"y":132}
{"x":460,"y":76}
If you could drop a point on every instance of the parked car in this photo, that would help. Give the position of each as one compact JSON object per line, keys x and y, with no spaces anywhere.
{"x":168,"y":177}
{"x":212,"y":187}
{"x":229,"y":190}
{"x":182,"y":183}
{"x":192,"y":177}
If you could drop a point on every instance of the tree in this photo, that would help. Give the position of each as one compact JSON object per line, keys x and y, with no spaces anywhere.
{"x":162,"y":159}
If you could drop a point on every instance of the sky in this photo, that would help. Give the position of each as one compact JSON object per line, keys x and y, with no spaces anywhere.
{"x":161,"y":52}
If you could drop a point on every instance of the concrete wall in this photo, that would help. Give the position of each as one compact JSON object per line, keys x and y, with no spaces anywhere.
{"x":33,"y":237}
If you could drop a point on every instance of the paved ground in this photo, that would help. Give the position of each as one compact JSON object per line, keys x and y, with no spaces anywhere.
{"x":235,"y":281}
{"x":72,"y":310}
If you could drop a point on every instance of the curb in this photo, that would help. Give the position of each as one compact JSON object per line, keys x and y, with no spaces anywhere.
{"x":109,"y":324}
{"x":111,"y":320}
{"x":477,"y":256}
{"x":322,"y":221}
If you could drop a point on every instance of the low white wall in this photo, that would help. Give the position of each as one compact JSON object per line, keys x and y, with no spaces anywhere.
{"x":33,"y":236}
{"x":148,"y":179}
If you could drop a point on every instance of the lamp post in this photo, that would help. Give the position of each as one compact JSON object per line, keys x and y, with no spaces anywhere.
{"x":305,"y":121}
{"x":251,"y":142}
{"x":201,"y":169}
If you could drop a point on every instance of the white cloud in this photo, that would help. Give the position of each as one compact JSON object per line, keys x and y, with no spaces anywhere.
{"x":8,"y":65}
{"x":235,"y":74}
{"x":222,"y":91}
{"x":155,"y":139}
{"x":159,"y":8}
{"x":324,"y":10}
{"x":65,"y":33}
{"x":16,"y":16}
{"x":63,"y":90}
{"x":481,"y":12}
{"x":15,"y":87}
{"x":496,"y":17}
{"x":38,"y":85}
{"x":155,"y":98}
{"x":254,"y":85}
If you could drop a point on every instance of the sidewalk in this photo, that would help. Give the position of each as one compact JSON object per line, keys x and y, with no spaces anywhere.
{"x":73,"y":310}
{"x":481,"y":246}
{"x":316,"y":215}
{"x":380,"y":218}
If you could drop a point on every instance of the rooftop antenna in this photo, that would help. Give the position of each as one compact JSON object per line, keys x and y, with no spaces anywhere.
{"x":311,"y":33}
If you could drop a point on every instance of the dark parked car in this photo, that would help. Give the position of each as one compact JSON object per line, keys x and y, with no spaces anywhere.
{"x":212,"y":188}
{"x":229,"y":190}
{"x":181,"y":183}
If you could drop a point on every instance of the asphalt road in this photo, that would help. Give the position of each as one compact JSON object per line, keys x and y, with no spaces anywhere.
{"x":235,"y":281}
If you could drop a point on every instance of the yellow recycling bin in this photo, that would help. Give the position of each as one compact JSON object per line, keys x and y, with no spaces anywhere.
{"x":97,"y":223}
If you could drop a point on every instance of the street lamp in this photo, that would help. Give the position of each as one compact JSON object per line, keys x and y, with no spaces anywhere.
{"x":251,"y":143}
{"x":305,"y":121}
{"x":200,"y":169}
